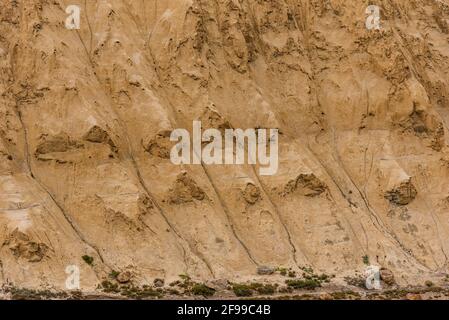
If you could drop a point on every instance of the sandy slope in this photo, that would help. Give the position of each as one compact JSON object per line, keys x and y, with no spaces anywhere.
{"x":84,"y":116}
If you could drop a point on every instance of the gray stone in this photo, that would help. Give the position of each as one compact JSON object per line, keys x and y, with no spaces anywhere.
{"x":158,"y":282}
{"x":387,"y":276}
{"x":265,"y":270}
{"x":124,"y":277}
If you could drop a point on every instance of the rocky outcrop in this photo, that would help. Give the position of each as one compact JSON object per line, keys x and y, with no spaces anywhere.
{"x":306,"y":184}
{"x":160,"y":145}
{"x":124,"y":277}
{"x":99,"y":135}
{"x":185,"y":190}
{"x":22,"y":246}
{"x":251,"y":194}
{"x":57,"y":143}
{"x":402,"y":194}
{"x":212,"y":119}
{"x":387,"y":276}
{"x":265,"y":270}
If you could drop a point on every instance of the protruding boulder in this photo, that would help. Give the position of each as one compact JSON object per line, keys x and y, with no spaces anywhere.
{"x":22,"y":246}
{"x":326,"y":296}
{"x":158,"y":283}
{"x":99,"y":135}
{"x":413,"y":296}
{"x":251,"y":194}
{"x":218,"y":284}
{"x":212,"y":119}
{"x":185,"y":190}
{"x":265,"y":270}
{"x":160,"y":145}
{"x":124,"y":277}
{"x":58,"y":143}
{"x":145,"y":204}
{"x":387,"y":276}
{"x":307,"y":184}
{"x":403,"y":193}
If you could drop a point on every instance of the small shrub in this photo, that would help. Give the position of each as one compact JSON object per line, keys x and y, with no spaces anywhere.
{"x":366,"y":260}
{"x":266,"y":289}
{"x":113,"y":274}
{"x":88,"y":259}
{"x":283,"y":271}
{"x":32,"y":294}
{"x":308,"y":284}
{"x":200,"y":289}
{"x":140,"y":293}
{"x":285,"y":289}
{"x":110,"y":287}
{"x":242,"y":290}
{"x":339,"y":295}
{"x":262,"y":288}
{"x":429,"y":284}
{"x":359,"y":282}
{"x":184,"y":277}
{"x":174,"y":283}
{"x":307,"y":270}
{"x":186,"y":282}
{"x":173,"y":292}
{"x":147,"y":293}
{"x":324,"y":277}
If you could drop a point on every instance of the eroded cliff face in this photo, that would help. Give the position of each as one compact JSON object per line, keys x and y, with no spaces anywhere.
{"x":86,"y":117}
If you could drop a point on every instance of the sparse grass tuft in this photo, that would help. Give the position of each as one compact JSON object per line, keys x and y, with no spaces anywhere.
{"x":266,"y":289}
{"x":309,"y":284}
{"x":184,"y":277}
{"x":242,"y":290}
{"x":365,"y":260}
{"x":200,"y":289}
{"x":113,"y":274}
{"x":358,"y":281}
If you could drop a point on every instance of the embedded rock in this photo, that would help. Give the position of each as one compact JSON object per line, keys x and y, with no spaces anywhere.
{"x":403,"y":194}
